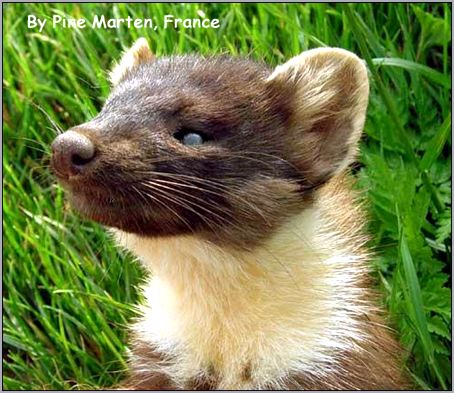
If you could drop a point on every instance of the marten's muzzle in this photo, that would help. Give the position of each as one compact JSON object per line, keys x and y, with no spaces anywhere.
{"x":71,"y":153}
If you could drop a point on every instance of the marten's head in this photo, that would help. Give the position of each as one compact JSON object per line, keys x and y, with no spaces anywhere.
{"x":220,"y":147}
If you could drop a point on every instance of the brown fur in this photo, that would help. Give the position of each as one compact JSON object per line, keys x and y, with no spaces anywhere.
{"x":144,"y":380}
{"x":275,"y":144}
{"x":373,"y":366}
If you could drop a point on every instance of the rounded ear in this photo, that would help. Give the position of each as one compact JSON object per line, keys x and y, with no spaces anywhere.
{"x":330,"y":91}
{"x":138,"y":53}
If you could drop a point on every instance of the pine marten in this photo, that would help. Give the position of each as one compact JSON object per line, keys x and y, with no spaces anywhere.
{"x":229,"y":182}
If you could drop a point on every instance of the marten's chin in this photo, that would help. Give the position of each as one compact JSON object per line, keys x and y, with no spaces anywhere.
{"x":104,"y":208}
{"x":119,"y":211}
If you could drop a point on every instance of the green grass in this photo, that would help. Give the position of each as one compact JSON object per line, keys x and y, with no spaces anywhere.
{"x":68,"y":293}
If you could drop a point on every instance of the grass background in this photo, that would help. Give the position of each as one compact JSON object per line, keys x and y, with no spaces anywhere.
{"x":68,"y":294}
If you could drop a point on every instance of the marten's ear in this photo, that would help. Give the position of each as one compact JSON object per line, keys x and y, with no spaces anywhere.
{"x":327,"y":91}
{"x":138,"y":53}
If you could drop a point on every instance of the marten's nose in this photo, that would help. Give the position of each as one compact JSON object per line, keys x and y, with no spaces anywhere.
{"x":71,"y":152}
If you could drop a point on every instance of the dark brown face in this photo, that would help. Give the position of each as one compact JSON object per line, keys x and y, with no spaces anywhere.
{"x":184,"y":145}
{"x":188,"y":145}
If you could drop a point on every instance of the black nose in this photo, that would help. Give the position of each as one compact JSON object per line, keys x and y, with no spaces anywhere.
{"x":71,"y":152}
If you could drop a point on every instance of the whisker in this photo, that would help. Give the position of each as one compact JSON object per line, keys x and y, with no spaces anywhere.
{"x":279,"y":158}
{"x":51,"y":121}
{"x":187,"y":205}
{"x":178,"y":216}
{"x":19,"y":138}
{"x":208,"y":210}
{"x":179,"y":201}
{"x":224,"y":155}
{"x":34,"y":148}
{"x":226,"y":191}
{"x":178,"y":177}
{"x":282,"y":264}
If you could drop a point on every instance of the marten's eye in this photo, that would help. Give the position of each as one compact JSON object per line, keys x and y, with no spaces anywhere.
{"x":190,"y":138}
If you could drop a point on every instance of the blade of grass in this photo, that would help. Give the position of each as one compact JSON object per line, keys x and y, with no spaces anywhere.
{"x":436,"y":76}
{"x":389,"y":103}
{"x":417,"y":309}
{"x":436,"y":145}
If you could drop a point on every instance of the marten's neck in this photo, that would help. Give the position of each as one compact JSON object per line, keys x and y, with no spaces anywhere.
{"x":285,"y":306}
